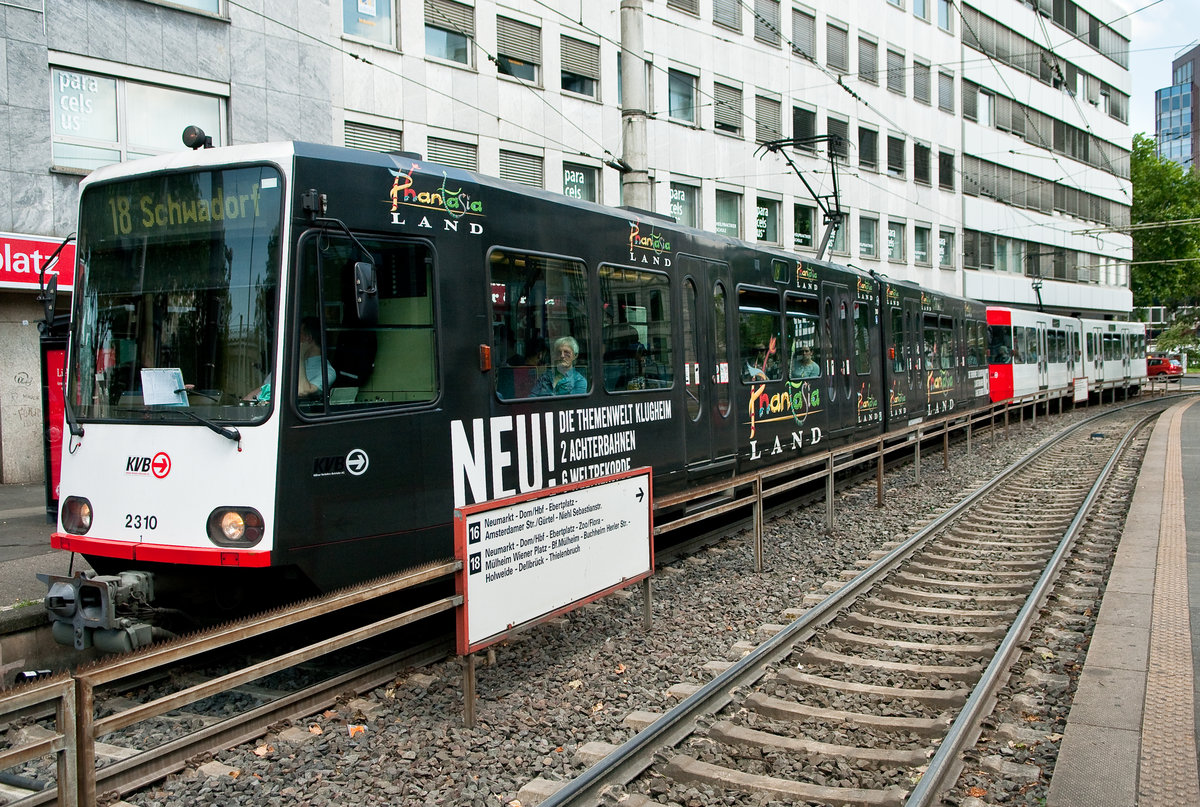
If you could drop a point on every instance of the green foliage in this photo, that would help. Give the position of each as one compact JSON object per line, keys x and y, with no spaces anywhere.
{"x":1179,"y":335}
{"x":1164,"y":191}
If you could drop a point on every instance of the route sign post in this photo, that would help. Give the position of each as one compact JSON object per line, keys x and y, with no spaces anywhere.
{"x":530,"y":558}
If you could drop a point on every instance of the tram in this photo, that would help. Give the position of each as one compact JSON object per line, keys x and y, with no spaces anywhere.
{"x":290,"y":362}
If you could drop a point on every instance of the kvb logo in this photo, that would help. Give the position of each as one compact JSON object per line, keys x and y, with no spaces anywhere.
{"x":159,"y":465}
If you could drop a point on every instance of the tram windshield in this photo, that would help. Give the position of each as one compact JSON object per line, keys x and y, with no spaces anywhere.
{"x":175,"y":297}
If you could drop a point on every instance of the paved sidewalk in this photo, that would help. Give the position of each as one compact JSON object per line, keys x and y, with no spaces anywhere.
{"x":25,"y":544}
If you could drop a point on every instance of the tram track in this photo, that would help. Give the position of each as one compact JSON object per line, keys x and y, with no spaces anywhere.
{"x":872,"y":695}
{"x":119,"y":773}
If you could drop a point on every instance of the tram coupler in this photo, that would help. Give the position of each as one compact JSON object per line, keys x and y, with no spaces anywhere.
{"x":99,"y":610}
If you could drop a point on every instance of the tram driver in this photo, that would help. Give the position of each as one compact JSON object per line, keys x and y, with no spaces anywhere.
{"x":310,"y":382}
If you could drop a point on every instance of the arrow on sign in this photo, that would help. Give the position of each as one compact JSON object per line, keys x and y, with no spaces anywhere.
{"x":640,"y":494}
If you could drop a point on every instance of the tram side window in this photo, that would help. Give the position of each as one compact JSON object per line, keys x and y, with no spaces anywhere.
{"x":367,"y":364}
{"x":758,"y":336}
{"x":1000,"y":344}
{"x":862,"y":339}
{"x":802,"y":319}
{"x":948,"y":349}
{"x":539,"y":326}
{"x":896,"y":348}
{"x":637,"y":329}
{"x":976,"y":342}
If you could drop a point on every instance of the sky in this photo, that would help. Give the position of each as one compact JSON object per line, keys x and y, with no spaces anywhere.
{"x":1161,"y":28}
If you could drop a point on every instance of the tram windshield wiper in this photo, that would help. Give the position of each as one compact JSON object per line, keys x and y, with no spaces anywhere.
{"x":228,"y":432}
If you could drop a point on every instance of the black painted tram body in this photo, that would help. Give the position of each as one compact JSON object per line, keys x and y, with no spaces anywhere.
{"x":362,"y":341}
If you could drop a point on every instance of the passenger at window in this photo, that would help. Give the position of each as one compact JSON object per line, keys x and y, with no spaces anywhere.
{"x":756,"y":364}
{"x":803,"y":366}
{"x":562,"y":378}
{"x":311,"y":381}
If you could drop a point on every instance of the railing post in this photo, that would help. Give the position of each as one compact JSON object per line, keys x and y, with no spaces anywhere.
{"x":758,"y":523}
{"x":879,"y":474}
{"x":829,"y":492}
{"x":917,"y":458}
{"x":946,"y":446}
{"x":67,"y":763}
{"x":85,"y":740}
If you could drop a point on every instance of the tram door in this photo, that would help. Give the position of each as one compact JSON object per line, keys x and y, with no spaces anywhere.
{"x":913,"y":355}
{"x":1043,"y":359}
{"x":710,"y":431}
{"x":1098,"y":347}
{"x":837,"y":348}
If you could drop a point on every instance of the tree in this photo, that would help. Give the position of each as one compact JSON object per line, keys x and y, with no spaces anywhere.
{"x":1180,"y":335}
{"x":1164,"y":191}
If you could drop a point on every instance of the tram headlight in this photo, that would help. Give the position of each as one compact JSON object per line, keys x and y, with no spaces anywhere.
{"x":235,"y":526}
{"x":76,"y":515}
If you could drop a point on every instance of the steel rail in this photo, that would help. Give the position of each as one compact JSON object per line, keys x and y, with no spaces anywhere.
{"x":946,"y":763}
{"x":637,"y":753}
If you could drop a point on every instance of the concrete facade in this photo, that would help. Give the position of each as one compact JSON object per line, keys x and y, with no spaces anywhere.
{"x":333,"y":71}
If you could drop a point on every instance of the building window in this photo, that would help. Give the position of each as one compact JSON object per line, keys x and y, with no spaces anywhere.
{"x":804,"y":126}
{"x":945,"y":15}
{"x":946,"y":170}
{"x":727,"y":109}
{"x":371,"y":138}
{"x":837,"y":48}
{"x":868,"y":149}
{"x":523,"y":168}
{"x":805,"y":217}
{"x":98,"y":120}
{"x":895,"y":68}
{"x":896,"y":3}
{"x":768,"y":119}
{"x":580,"y":66}
{"x":767,"y":220}
{"x":518,"y":49}
{"x":839,"y":137}
{"x":921,"y":167}
{"x":868,"y":237}
{"x":804,"y":34}
{"x":449,"y":30}
{"x":921,"y":88}
{"x":983,"y":111}
{"x":920,"y":9}
{"x":728,"y":13}
{"x":579,"y":182}
{"x":681,"y":96}
{"x":895,"y":234}
{"x":368,"y":19}
{"x":729,"y":214}
{"x":921,"y":236}
{"x":683,"y":203}
{"x":868,"y":61}
{"x":895,"y":166}
{"x":687,"y":6}
{"x":453,"y":153}
{"x":211,"y":6}
{"x":838,"y":241}
{"x":970,"y":100}
{"x":766,"y":22}
{"x":946,"y":249}
{"x":946,"y":92}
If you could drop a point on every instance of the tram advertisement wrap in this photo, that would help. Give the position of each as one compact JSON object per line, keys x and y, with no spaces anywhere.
{"x":508,"y":455}
{"x":532,"y":557}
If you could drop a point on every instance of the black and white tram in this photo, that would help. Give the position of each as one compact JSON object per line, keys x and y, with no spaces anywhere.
{"x":289,"y":363}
